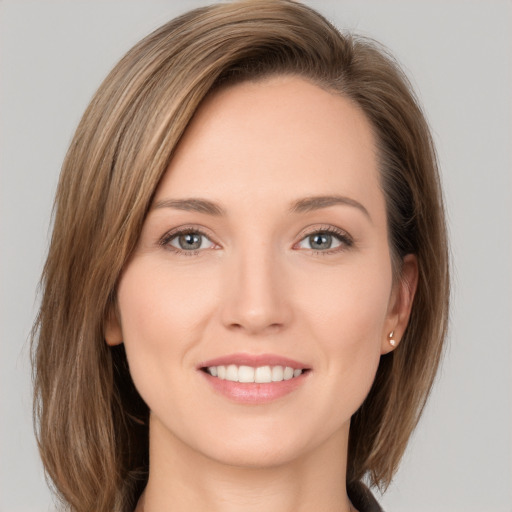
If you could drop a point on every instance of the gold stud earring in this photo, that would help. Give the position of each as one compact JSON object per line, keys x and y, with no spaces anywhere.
{"x":392,"y":342}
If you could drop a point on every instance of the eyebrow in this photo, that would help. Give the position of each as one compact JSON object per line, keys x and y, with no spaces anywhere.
{"x":318,"y":202}
{"x":304,"y":205}
{"x":191,"y":205}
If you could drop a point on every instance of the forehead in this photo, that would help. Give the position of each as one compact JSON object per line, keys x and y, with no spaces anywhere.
{"x":281,"y":136}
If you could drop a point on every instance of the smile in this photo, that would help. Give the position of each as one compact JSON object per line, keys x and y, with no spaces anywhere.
{"x":254,"y":379}
{"x":249,"y":374}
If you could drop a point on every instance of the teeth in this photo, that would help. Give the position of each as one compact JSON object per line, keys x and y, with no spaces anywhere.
{"x":245,"y":374}
{"x":248,"y":374}
{"x":232,"y":373}
{"x":288,"y":373}
{"x":263,"y":374}
{"x":277,"y":373}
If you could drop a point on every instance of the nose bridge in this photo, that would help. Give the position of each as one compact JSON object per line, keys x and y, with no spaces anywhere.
{"x":256,"y":300}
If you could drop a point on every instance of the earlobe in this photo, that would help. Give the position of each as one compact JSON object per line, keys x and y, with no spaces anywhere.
{"x":112,"y":329}
{"x":401,"y":304}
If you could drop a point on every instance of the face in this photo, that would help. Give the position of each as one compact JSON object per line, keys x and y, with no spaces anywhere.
{"x":264,"y":259}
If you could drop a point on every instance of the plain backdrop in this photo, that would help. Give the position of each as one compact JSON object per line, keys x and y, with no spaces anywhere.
{"x":54,"y":54}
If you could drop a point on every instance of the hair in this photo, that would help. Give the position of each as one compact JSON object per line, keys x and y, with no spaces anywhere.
{"x":91,"y":424}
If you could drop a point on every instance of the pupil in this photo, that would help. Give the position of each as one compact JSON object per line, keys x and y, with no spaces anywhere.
{"x":190,"y":241}
{"x":320,"y":241}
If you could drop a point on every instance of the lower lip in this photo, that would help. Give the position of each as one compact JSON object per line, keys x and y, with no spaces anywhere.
{"x":255,"y":393}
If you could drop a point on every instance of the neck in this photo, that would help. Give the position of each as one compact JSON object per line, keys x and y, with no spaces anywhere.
{"x":182,"y":480}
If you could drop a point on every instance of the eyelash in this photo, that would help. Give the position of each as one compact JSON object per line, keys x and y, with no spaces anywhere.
{"x":346,"y":240}
{"x":342,"y":236}
{"x":168,"y":237}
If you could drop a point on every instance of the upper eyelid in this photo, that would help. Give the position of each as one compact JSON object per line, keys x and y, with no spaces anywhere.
{"x":171,"y":233}
{"x":327,"y":228}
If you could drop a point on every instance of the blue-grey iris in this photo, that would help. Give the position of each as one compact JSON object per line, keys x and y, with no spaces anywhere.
{"x":320,"y":241}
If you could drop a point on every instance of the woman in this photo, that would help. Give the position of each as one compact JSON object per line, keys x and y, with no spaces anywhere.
{"x":246,"y":293}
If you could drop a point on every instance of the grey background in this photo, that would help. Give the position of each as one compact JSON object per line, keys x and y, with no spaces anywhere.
{"x":53,"y":55}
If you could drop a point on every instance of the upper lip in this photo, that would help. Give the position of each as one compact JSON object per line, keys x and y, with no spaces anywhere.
{"x":254,"y":360}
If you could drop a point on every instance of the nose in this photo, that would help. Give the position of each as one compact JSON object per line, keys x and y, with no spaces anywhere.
{"x":257,"y":300}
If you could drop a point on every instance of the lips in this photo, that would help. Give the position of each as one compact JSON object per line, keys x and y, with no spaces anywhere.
{"x":254,"y":379}
{"x":254,"y":361}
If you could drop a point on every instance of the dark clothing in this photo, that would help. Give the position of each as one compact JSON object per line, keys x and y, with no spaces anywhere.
{"x":362,"y":498}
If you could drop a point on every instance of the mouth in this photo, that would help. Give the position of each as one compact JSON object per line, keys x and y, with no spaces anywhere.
{"x":249,"y":374}
{"x":254,"y":379}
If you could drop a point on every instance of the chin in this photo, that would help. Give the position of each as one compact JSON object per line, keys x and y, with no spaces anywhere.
{"x":255,"y":456}
{"x":269,"y":446}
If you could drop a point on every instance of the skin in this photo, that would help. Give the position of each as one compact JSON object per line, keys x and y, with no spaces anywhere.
{"x":256,"y":286}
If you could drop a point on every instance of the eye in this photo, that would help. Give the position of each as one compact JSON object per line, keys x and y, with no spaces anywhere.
{"x":187,"y":241}
{"x":326,"y":240}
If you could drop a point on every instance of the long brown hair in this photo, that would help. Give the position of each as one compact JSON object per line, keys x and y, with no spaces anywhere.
{"x":91,"y":423}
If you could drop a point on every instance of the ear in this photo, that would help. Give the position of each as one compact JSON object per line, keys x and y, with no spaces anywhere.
{"x":400,"y":304}
{"x":112,"y":328}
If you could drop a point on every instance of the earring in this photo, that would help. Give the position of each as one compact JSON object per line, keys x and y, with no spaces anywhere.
{"x":392,"y":342}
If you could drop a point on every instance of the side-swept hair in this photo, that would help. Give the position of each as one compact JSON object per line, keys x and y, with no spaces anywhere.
{"x":92,"y":425}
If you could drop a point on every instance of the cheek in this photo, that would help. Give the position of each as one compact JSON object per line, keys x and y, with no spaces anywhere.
{"x":350,"y":304}
{"x":347,"y":310}
{"x":158,"y":304}
{"x":162,"y":316}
